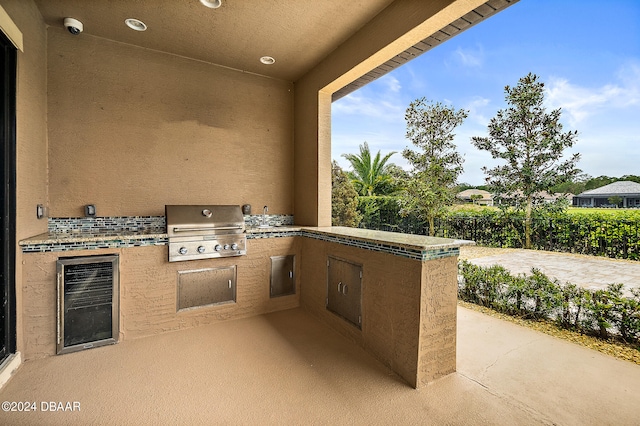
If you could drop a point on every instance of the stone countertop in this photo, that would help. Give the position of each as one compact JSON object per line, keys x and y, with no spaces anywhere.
{"x":409,"y":241}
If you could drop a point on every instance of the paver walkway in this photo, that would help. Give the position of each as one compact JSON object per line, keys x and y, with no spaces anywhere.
{"x":586,"y":271}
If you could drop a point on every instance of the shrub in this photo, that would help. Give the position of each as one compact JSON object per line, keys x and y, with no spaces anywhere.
{"x":603,"y":312}
{"x":572,"y":302}
{"x":626,"y":316}
{"x":600,"y":309}
{"x":544,"y":293}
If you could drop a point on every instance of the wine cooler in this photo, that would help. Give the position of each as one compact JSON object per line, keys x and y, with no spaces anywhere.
{"x":87,"y":307}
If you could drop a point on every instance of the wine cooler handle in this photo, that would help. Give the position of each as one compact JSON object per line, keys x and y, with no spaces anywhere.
{"x":59,"y":281}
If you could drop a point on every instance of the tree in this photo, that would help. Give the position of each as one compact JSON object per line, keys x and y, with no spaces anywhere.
{"x":475,"y":198}
{"x":632,"y":178}
{"x":436,"y":165}
{"x":462,"y":186}
{"x":575,"y":186}
{"x":599,"y":181}
{"x":531,"y":142}
{"x":398,"y":178}
{"x":370,"y":176}
{"x":344,"y":199}
{"x":615,"y":200}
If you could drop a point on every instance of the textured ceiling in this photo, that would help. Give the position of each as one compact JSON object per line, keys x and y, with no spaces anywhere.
{"x":297,"y":33}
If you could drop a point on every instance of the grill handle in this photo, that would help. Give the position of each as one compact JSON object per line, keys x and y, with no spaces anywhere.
{"x":212,"y":228}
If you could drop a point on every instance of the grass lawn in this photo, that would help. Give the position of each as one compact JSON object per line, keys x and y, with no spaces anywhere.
{"x":629,"y":214}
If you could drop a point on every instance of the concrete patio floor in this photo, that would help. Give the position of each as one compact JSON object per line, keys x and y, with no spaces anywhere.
{"x":288,"y":368}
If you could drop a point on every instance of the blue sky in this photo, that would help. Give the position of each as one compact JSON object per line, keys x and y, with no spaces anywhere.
{"x":586,"y":52}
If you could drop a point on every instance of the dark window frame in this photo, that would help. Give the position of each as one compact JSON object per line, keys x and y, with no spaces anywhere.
{"x":8,"y":53}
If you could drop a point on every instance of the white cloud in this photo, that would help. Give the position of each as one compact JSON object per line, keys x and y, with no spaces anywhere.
{"x":629,"y":75}
{"x":392,"y":83}
{"x":476,"y":107}
{"x":381,"y":101}
{"x":472,"y":58}
{"x":581,"y":103}
{"x":360,"y":105}
{"x":416,"y":81}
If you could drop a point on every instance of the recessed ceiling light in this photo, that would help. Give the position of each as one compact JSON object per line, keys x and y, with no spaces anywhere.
{"x":135,"y":24}
{"x":267,"y":60}
{"x":213,"y":4}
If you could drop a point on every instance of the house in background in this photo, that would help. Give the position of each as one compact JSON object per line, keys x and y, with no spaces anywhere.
{"x":485,"y":198}
{"x":476,"y":196}
{"x":553,"y":197}
{"x":628,"y":191}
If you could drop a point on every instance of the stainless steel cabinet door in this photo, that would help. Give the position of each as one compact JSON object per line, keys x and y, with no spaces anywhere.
{"x":203,"y":287}
{"x":344,"y":290}
{"x":283,"y":281}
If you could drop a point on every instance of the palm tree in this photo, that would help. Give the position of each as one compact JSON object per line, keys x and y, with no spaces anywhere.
{"x":370,"y":176}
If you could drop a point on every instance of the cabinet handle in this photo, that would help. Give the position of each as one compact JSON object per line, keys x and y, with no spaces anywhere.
{"x":340,"y":287}
{"x":59,"y":281}
{"x":344,"y":289}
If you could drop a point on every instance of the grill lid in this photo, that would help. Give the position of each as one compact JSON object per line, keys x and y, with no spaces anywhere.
{"x":191,"y":220}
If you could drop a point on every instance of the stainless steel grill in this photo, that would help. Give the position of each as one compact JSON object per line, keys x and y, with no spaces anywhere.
{"x":204,"y":232}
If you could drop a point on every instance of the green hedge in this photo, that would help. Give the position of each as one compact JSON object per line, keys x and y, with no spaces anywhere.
{"x":604,"y":313}
{"x":616,"y":236}
{"x":615,"y":233}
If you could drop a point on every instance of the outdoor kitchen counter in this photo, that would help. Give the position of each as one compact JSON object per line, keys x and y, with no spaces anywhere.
{"x":402,"y":298}
{"x":412,"y":246}
{"x":418,"y":247}
{"x":82,"y":240}
{"x":408,"y":286}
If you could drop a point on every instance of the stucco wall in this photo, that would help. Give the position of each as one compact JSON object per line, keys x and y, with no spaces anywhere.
{"x":148,"y":291}
{"x":438,"y":319}
{"x":31,"y":131}
{"x":131,"y":130}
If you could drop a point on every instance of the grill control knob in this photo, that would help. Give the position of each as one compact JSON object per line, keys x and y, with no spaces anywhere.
{"x":234,"y":246}
{"x":226,"y":246}
{"x":201,"y":249}
{"x":218,"y":247}
{"x":182,"y":250}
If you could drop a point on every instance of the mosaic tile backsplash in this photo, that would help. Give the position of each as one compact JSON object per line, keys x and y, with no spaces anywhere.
{"x":148,"y":224}
{"x":270,"y":219}
{"x":98,"y":225}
